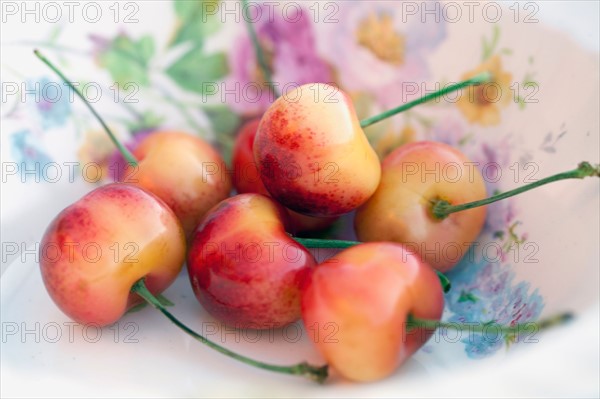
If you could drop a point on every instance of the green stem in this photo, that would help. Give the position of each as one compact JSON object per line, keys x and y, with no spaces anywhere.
{"x":415,"y":322}
{"x":483,"y":77}
{"x":442,"y":208}
{"x":122,"y":149}
{"x":325,"y":243}
{"x":317,"y":373}
{"x":260,"y":54}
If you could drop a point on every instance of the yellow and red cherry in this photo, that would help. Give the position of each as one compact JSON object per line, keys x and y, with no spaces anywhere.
{"x":374,"y":305}
{"x":312,"y":154}
{"x":184,"y":171}
{"x":95,"y":250}
{"x":366,"y":294}
{"x":413,"y":177}
{"x":244,"y":268}
{"x":431,"y":199}
{"x":246,"y":179}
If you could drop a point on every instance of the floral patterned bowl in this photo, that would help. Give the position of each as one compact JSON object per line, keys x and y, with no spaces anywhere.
{"x":537,"y":255}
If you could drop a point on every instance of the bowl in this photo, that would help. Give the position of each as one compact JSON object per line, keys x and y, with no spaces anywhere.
{"x":537,"y":255}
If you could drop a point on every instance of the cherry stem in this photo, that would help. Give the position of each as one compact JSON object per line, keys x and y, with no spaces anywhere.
{"x":483,"y":77}
{"x":442,"y":208}
{"x":561,"y":318}
{"x":122,"y":149}
{"x":316,"y":373}
{"x":325,"y":243}
{"x":260,"y":54}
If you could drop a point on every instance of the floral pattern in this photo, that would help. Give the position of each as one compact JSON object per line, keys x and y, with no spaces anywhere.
{"x":290,"y":48}
{"x":494,"y":158}
{"x":392,"y":140}
{"x":482,"y":104}
{"x":376,"y":50}
{"x":484,"y":291}
{"x":26,"y":152}
{"x":97,"y":149}
{"x":49,"y":103}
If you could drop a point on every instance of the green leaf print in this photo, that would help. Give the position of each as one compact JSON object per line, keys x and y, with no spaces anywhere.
{"x":196,"y":20}
{"x":194,"y":70}
{"x":127,"y":60}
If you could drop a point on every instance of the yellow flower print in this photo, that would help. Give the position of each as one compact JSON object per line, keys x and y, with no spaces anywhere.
{"x":394,"y":139}
{"x":482,"y":104}
{"x":96,"y":148}
{"x":377,"y":34}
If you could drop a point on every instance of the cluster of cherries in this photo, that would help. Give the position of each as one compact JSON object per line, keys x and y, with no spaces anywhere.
{"x":312,"y":163}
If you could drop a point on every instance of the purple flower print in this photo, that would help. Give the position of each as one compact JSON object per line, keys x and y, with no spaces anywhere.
{"x":451,"y":131}
{"x":494,"y":161}
{"x":377,"y":48}
{"x":290,"y":48}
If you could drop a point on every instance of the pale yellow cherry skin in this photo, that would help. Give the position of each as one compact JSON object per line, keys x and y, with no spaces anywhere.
{"x":183,"y":170}
{"x":94,"y":251}
{"x":312,"y":154}
{"x":356,"y":304}
{"x":413,"y":176}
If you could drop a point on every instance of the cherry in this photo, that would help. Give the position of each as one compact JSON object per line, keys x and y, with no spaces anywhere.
{"x":366,"y":293}
{"x":312,"y":154}
{"x":400,"y":210}
{"x":378,"y":325}
{"x":246,"y":179}
{"x":184,"y":171}
{"x":95,"y":250}
{"x":244,"y":268}
{"x":430,"y":199}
